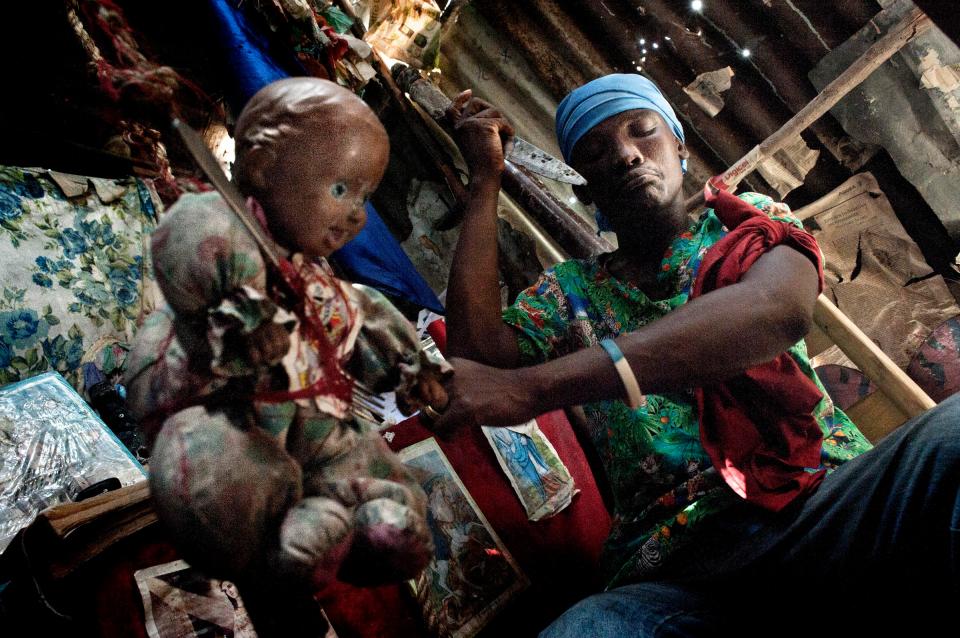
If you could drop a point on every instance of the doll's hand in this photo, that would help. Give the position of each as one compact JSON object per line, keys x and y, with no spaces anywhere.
{"x":267,"y":345}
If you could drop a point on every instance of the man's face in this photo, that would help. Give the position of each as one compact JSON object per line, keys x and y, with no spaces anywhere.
{"x":318,"y":187}
{"x":631,"y":162}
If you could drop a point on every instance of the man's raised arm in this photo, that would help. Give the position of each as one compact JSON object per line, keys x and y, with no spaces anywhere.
{"x":475,"y":329}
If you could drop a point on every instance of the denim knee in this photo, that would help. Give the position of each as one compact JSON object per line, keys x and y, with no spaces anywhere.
{"x":644,"y":610}
{"x":937,"y":433}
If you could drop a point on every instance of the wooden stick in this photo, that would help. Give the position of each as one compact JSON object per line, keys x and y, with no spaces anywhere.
{"x":72,"y":534}
{"x":64,"y":519}
{"x":871,"y":360}
{"x":912,"y":25}
{"x":571,"y":231}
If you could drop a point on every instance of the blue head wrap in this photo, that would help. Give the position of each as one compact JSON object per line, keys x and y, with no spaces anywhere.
{"x":603,"y":98}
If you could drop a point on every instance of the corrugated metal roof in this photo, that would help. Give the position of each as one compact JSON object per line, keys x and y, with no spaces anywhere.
{"x":566,"y":43}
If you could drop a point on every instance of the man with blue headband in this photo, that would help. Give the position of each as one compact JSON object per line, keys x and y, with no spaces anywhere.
{"x":652,"y":351}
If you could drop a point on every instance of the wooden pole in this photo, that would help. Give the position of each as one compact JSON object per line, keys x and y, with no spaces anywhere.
{"x":570,"y":231}
{"x":871,"y":360}
{"x":912,"y":25}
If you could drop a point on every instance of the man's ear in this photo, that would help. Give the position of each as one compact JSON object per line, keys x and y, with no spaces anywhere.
{"x":582,"y":193}
{"x":682,"y":148}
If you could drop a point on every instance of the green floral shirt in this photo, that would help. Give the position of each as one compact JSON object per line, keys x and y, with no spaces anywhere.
{"x":663,"y":482}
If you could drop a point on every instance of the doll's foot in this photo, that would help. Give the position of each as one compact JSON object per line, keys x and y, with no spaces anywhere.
{"x":315,"y":537}
{"x":391,"y":543}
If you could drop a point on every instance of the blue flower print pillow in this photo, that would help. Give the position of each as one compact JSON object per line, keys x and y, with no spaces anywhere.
{"x":77,"y":278}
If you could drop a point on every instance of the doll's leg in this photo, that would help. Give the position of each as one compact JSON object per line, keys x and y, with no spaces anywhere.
{"x":315,"y":536}
{"x":222,"y":487}
{"x":391,"y":538}
{"x":355,"y":467}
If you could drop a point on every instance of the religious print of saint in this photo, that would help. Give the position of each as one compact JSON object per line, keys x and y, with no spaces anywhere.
{"x":472,"y":575}
{"x":538,"y":476}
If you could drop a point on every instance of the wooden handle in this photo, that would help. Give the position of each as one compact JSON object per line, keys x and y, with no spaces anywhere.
{"x":65,"y":518}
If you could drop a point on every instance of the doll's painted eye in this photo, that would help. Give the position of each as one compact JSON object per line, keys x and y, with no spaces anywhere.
{"x":338,"y":190}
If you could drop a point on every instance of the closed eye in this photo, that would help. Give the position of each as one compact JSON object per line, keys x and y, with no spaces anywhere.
{"x":640,"y":130}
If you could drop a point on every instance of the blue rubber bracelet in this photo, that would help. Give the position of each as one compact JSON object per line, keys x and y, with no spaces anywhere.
{"x":627,"y":377}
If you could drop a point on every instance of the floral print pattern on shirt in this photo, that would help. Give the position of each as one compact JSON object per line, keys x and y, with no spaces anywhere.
{"x":662,"y":479}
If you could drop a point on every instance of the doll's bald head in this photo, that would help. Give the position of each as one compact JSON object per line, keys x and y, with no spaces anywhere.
{"x":310,"y":152}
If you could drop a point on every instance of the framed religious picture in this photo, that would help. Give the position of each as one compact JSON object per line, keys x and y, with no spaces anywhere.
{"x":472,"y":575}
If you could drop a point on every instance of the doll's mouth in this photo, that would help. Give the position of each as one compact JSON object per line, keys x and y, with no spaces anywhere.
{"x":336,"y":237}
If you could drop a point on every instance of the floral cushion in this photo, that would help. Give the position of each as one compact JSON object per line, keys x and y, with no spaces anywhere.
{"x":77,"y":278}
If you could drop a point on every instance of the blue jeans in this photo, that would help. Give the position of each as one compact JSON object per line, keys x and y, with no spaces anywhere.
{"x":876,"y":547}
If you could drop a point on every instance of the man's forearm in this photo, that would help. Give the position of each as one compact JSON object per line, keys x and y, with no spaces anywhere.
{"x":706,"y":340}
{"x":474,"y":326}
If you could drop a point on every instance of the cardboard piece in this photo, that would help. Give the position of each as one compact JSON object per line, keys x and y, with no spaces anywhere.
{"x":875,"y":272}
{"x":705,"y":90}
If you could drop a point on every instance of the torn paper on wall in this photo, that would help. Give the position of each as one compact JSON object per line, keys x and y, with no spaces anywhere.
{"x":944,"y":78}
{"x":919,"y":126}
{"x":705,"y":90}
{"x":875,"y":272}
{"x":788,"y":167}
{"x":538,"y":476}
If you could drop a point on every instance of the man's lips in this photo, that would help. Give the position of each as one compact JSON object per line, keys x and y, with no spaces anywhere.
{"x":638,"y":178}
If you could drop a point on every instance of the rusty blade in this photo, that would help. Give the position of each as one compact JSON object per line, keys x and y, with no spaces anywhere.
{"x":542,"y":163}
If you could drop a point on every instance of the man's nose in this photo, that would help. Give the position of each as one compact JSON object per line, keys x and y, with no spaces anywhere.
{"x":628,"y":154}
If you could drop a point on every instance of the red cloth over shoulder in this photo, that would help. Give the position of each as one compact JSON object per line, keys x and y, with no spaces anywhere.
{"x":758,"y":427}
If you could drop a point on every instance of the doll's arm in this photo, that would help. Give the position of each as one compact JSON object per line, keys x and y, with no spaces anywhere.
{"x":388,"y":356}
{"x":213,"y":276}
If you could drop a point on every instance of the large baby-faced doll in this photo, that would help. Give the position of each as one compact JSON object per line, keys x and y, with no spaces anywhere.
{"x":259,"y":469}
